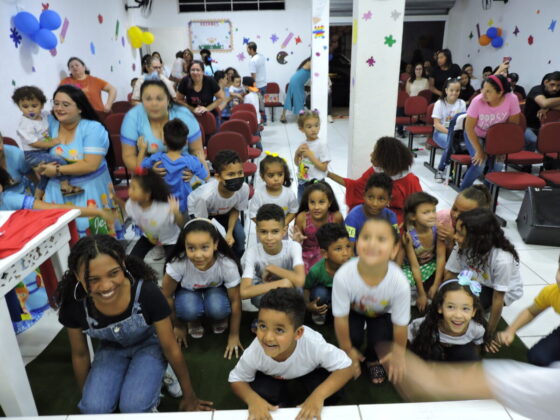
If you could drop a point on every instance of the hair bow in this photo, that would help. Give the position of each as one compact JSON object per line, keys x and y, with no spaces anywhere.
{"x":140,"y":171}
{"x":302,"y":112}
{"x":266,"y":152}
{"x":315,"y":111}
{"x":465,"y":279}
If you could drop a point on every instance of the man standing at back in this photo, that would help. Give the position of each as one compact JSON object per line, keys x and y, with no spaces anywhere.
{"x":257,"y":68}
{"x":540,"y":100}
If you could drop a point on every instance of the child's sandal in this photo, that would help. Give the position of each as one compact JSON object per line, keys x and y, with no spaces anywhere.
{"x":196,"y":332}
{"x":376,"y":373}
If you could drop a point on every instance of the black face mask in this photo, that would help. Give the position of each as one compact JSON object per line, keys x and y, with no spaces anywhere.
{"x":234,"y":184}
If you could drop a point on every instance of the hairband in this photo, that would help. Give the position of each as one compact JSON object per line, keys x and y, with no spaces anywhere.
{"x":213,"y":222}
{"x":465,"y":279}
{"x":498,"y":81}
{"x":314,"y":111}
{"x":140,"y":171}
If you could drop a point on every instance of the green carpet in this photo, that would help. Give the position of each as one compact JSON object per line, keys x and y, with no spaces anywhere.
{"x":56,"y":393}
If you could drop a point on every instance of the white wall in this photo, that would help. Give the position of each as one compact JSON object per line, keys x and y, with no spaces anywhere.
{"x":171,"y":34}
{"x":30,"y":65}
{"x":531,"y":62}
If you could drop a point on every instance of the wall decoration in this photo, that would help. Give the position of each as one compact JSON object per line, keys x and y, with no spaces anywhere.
{"x":100,"y":19}
{"x":15,"y":36}
{"x":281,"y":57}
{"x":316,"y":20}
{"x":44,"y":6}
{"x":39,"y":31}
{"x":355,"y":32}
{"x":287,"y":40}
{"x":389,"y":40}
{"x":490,"y":22}
{"x":53,"y":52}
{"x":117,"y":25}
{"x":367,"y":16}
{"x":137,"y":37}
{"x":122,"y":40}
{"x":316,"y":74}
{"x":245,"y":41}
{"x":92,"y":47}
{"x":319,"y":31}
{"x":471,"y":35}
{"x":274,"y":38}
{"x":370,"y":61}
{"x":13,"y":82}
{"x":241,"y":57}
{"x":530,"y":40}
{"x":552,"y":25}
{"x":33,"y":69}
{"x":395,"y":14}
{"x":298,"y":40}
{"x":212,"y":34}
{"x":133,"y":66}
{"x":516,"y":31}
{"x":64,"y":30}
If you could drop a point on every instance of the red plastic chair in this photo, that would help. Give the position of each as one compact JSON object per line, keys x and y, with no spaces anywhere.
{"x":421,"y":130}
{"x":244,"y":107}
{"x":250,"y":117}
{"x":113,"y":123}
{"x":426,"y":93}
{"x":121,"y":106}
{"x":548,"y":143}
{"x":414,"y":107}
{"x":228,"y":140}
{"x":503,"y":139}
{"x":207,"y":121}
{"x":551,"y":116}
{"x":10,"y":141}
{"x":242,"y":127}
{"x":404,"y":77}
{"x":402,"y":96}
{"x":271,"y":101}
{"x":120,"y":171}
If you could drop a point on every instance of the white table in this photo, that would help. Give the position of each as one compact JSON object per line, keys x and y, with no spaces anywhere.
{"x":199,"y":415}
{"x":16,"y":398}
{"x":339,"y":412}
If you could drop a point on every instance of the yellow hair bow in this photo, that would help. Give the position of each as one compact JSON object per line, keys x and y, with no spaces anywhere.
{"x":266,"y":152}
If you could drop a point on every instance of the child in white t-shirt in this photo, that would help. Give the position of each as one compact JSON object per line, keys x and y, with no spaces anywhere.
{"x":372,"y":291}
{"x":312,"y":156}
{"x":445,"y":109}
{"x":286,"y":351}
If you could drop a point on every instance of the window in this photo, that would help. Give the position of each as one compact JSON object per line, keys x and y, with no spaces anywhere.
{"x":229,"y":5}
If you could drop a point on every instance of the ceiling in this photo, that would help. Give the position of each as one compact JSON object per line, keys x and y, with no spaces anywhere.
{"x":412,"y":7}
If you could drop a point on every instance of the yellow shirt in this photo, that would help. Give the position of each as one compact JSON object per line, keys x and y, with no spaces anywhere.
{"x":549,"y":296}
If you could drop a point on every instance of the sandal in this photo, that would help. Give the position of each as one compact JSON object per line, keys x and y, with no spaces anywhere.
{"x":71,"y":191}
{"x":283,"y":120}
{"x":196,"y":332}
{"x":376,"y":373}
{"x":220,"y":326}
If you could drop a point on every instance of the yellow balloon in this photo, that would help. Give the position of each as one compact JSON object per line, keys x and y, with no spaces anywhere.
{"x":147,"y":38}
{"x":134,"y":31}
{"x":136,"y":42}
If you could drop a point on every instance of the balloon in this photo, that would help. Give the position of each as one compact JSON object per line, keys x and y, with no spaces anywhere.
{"x":134,"y":31}
{"x":498,"y":42}
{"x":26,"y":23}
{"x":484,"y":40}
{"x":49,"y":19}
{"x":499,"y":31}
{"x":45,"y":39}
{"x":492,"y":32}
{"x":136,"y":42}
{"x":147,"y":38}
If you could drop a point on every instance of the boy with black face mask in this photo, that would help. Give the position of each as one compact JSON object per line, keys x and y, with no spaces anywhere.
{"x":223,"y":198}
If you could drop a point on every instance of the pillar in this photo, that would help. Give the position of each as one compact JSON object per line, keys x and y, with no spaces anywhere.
{"x":320,"y":60}
{"x":376,"y":53}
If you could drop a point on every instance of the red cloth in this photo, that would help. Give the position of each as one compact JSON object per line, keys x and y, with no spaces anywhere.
{"x":402,"y":188}
{"x":24,"y":225}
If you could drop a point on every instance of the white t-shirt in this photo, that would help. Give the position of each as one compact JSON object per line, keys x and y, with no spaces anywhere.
{"x":29,"y":131}
{"x":223,"y":271}
{"x":257,"y":65}
{"x":306,"y":170}
{"x":157,"y":222}
{"x":500,"y":273}
{"x":287,"y":200}
{"x":418,"y":85}
{"x":256,"y":259}
{"x":253,"y":99}
{"x":177,"y":70}
{"x":530,"y":390}
{"x":311,"y":352}
{"x":446,"y":111}
{"x":136,"y":89}
{"x":474,"y":334}
{"x":206,"y":200}
{"x":392,"y":295}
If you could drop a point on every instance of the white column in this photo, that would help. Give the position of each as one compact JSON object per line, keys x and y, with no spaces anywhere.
{"x":320,"y":60}
{"x":376,"y":53}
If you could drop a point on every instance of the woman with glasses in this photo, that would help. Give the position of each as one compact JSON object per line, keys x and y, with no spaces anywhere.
{"x":418,"y":81}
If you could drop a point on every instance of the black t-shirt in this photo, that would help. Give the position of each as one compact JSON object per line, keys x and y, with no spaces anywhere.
{"x":532,"y":107}
{"x":154,"y":307}
{"x":206,"y":95}
{"x":466,"y":93}
{"x":520,"y":90}
{"x":440,"y":76}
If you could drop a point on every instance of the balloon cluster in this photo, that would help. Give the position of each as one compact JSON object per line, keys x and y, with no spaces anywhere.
{"x":40,"y":31}
{"x":492,"y":36}
{"x":137,"y":37}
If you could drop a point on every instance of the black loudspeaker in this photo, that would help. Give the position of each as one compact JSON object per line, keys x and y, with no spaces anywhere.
{"x":538,"y":221}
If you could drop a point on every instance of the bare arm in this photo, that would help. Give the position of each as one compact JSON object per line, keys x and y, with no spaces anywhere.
{"x":219,"y":99}
{"x":432,"y":87}
{"x":495,"y":311}
{"x":129,"y":155}
{"x":288,"y":219}
{"x":87,"y":165}
{"x":258,"y":407}
{"x":336,"y":178}
{"x":81,"y":362}
{"x":196,"y":149}
{"x":441,"y":254}
{"x":45,"y":144}
{"x":296,"y":276}
{"x":514,"y":119}
{"x":407,"y":87}
{"x":112,"y":94}
{"x":422,"y":299}
{"x":526,"y":316}
{"x":440,"y":127}
{"x":249,"y":290}
{"x":234,"y":345}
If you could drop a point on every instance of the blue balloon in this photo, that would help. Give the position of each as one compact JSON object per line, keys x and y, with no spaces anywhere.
{"x":49,"y":19}
{"x":26,"y":23}
{"x":45,"y":39}
{"x":498,"y":42}
{"x":492,"y":32}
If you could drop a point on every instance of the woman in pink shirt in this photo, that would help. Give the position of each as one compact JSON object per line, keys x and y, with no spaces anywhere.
{"x":495,"y":104}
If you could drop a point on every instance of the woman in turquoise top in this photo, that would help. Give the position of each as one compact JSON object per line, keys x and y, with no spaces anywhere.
{"x":13,"y":161}
{"x":84,"y":143}
{"x":147,"y":120}
{"x":295,"y":97}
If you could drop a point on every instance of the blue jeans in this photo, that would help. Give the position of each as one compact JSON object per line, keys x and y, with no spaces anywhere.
{"x":35,"y":157}
{"x":530,"y":139}
{"x":212,"y":302}
{"x":474,"y":171}
{"x":440,"y":139}
{"x":126,"y":378}
{"x":323,"y":293}
{"x":262,"y":91}
{"x":546,"y":351}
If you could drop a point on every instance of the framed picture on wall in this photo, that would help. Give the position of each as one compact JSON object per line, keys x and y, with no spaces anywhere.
{"x":212,"y":34}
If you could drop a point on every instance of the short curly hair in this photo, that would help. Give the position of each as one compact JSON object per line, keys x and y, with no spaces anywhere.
{"x":29,"y":93}
{"x":287,"y":300}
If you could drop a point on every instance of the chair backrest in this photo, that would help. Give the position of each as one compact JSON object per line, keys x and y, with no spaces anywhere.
{"x":10,"y":141}
{"x":208,"y":121}
{"x":102,"y":115}
{"x":429,"y":120}
{"x":250,"y":117}
{"x":402,"y":96}
{"x":404,"y":77}
{"x":117,"y":149}
{"x":272,"y":87}
{"x":504,"y":138}
{"x":415,"y":105}
{"x":523,"y":121}
{"x":244,"y":107}
{"x":238,"y":126}
{"x":519,"y":96}
{"x":426,"y":93}
{"x":549,"y":138}
{"x":121,"y":106}
{"x":129,"y":96}
{"x":113,"y":122}
{"x":227,"y":140}
{"x":551,"y":116}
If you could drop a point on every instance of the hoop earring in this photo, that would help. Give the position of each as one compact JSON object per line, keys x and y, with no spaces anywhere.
{"x":76,"y":291}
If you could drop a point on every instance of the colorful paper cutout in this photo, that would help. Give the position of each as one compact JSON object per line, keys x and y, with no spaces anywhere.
{"x":258,"y":37}
{"x":241,"y":56}
{"x":64,"y":29}
{"x":274,"y":38}
{"x":370,"y":61}
{"x":530,"y":40}
{"x":552,"y":25}
{"x":33,"y":69}
{"x":287,"y":40}
{"x":13,"y":82}
{"x":491,"y":22}
{"x":298,"y":40}
{"x":117,"y":25}
{"x":538,"y":12}
{"x":92,"y":47}
{"x":478,"y":30}
{"x":45,"y":6}
{"x":316,"y":74}
{"x":100,"y":19}
{"x":319,"y":31}
{"x":53,"y":52}
{"x":111,"y":68}
{"x":122,"y":40}
{"x":471,"y":35}
{"x":355,"y":32}
{"x":367,"y":16}
{"x":246,"y":40}
{"x":281,"y":57}
{"x":516,"y":31}
{"x":318,"y":54}
{"x":389,"y":40}
{"x":133,"y":66}
{"x":16,"y":37}
{"x":316,"y":19}
{"x":395,"y":14}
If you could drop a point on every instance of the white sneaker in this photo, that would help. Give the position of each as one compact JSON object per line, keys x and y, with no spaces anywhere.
{"x":172,"y":383}
{"x":318,"y":319}
{"x":330,"y":118}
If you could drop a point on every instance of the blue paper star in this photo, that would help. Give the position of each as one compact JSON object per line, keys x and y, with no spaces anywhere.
{"x":516,"y":31}
{"x":552,"y":25}
{"x":274,"y":38}
{"x":245,"y":40}
{"x":16,"y":37}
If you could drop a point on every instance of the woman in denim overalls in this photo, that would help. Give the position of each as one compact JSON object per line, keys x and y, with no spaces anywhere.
{"x":100,"y":295}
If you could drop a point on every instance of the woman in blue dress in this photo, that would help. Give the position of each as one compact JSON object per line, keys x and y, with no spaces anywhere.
{"x":12,"y":160}
{"x":84,"y":143}
{"x":295,"y":97}
{"x":147,"y":120}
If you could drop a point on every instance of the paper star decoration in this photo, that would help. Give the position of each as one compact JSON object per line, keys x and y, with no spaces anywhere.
{"x":471,"y":35}
{"x":395,"y":14}
{"x":367,"y":16}
{"x":530,"y":40}
{"x":241,"y":56}
{"x":516,"y":31}
{"x":16,"y":37}
{"x":45,"y":6}
{"x":274,"y":38}
{"x":490,"y":22}
{"x":245,"y":40}
{"x":552,"y":25}
{"x":370,"y":61}
{"x":389,"y":40}
{"x":298,"y":40}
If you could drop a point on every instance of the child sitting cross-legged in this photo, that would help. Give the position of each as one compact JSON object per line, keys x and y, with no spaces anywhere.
{"x":285,"y":351}
{"x":336,"y":249}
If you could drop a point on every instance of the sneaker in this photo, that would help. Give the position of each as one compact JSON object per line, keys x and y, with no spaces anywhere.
{"x":330,"y":119}
{"x":318,"y":319}
{"x":171,"y":383}
{"x":196,"y":332}
{"x":158,"y":253}
{"x":220,"y":326}
{"x":439,"y":176}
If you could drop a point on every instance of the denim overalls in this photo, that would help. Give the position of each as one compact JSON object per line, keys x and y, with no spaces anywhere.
{"x":128,"y":368}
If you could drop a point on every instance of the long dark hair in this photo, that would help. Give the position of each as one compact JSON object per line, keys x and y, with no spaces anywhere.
{"x":318,"y":186}
{"x":202,"y":225}
{"x":304,"y":62}
{"x":413,"y":201}
{"x":268,"y":160}
{"x":188,"y":76}
{"x":483,"y":234}
{"x":89,"y":248}
{"x":448,"y":57}
{"x":426,"y":344}
{"x":153,"y":184}
{"x":505,"y":86}
{"x":413,"y":75}
{"x":448,"y":82}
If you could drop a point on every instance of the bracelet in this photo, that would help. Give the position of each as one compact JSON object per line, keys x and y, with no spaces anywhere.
{"x":58,"y":173}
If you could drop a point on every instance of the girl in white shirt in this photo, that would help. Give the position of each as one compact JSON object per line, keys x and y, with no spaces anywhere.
{"x":445,"y":109}
{"x":202,"y":279}
{"x":418,"y":81}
